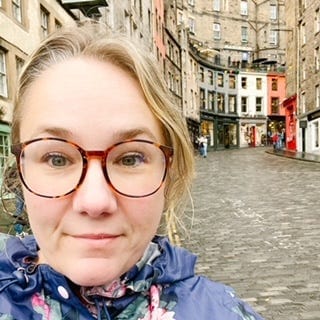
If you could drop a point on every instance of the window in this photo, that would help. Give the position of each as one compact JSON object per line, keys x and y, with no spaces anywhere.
{"x":274,"y":105}
{"x":16,"y":10}
{"x":316,"y":59}
{"x":273,"y":12}
{"x":303,"y":33}
{"x":244,"y":34}
{"x":273,"y":37}
{"x":220,"y":79}
{"x":57,"y":24}
{"x":317,"y":21}
{"x":216,"y":5}
{"x":191,"y":2}
{"x":258,"y":104}
{"x":315,"y":134}
{"x":202,"y":99}
{"x":216,"y":31}
{"x":4,"y":151}
{"x":317,"y":92}
{"x":244,"y":7}
{"x":303,"y":69}
{"x":44,"y":22}
{"x":232,"y":103}
{"x":211,"y":100}
{"x":19,"y":65}
{"x":244,"y":103}
{"x":274,"y":84}
{"x":3,"y":74}
{"x":232,"y":81}
{"x":0,"y":3}
{"x":244,"y":82}
{"x":258,"y":83}
{"x":210,"y":76}
{"x":201,"y":74}
{"x":192,"y":26}
{"x":303,"y":102}
{"x":220,"y":102}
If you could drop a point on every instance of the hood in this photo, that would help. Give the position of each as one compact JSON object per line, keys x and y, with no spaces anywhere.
{"x":20,"y":279}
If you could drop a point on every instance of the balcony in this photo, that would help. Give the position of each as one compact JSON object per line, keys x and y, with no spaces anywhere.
{"x":89,"y":8}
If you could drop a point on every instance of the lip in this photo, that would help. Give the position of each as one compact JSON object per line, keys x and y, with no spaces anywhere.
{"x":95,"y":236}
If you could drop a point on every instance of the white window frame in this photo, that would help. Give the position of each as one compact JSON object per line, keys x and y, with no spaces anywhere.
{"x":17,"y":10}
{"x":273,"y":37}
{"x":244,"y":34}
{"x":216,"y":5}
{"x":273,"y":11}
{"x":317,"y":21}
{"x":192,"y":25}
{"x":317,"y":96}
{"x":3,"y":74}
{"x":244,"y":7}
{"x":5,"y":151}
{"x":216,"y":31}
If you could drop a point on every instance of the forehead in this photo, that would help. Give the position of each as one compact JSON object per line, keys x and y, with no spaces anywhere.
{"x":86,"y":94}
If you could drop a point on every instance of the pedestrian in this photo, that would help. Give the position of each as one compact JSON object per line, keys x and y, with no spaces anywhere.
{"x":275,"y":141}
{"x":203,"y":146}
{"x":105,"y":161}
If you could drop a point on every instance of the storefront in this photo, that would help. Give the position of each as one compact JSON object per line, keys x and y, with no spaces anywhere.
{"x":221,"y":132}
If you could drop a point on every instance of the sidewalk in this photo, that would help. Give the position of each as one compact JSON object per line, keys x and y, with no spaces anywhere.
{"x":311,"y":157}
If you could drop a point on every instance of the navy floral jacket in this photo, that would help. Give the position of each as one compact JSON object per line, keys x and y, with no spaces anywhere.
{"x":161,"y":287}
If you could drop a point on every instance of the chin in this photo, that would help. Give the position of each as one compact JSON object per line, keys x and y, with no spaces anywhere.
{"x":89,"y":275}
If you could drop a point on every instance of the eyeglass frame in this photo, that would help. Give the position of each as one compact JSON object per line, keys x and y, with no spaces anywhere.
{"x":18,"y":148}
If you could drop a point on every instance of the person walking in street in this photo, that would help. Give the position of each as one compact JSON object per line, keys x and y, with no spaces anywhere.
{"x":106,"y":164}
{"x":203,"y":146}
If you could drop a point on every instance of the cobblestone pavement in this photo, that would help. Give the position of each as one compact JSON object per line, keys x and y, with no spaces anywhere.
{"x":256,"y":227}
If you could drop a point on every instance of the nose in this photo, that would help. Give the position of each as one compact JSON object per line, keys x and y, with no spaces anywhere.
{"x":94,"y":196}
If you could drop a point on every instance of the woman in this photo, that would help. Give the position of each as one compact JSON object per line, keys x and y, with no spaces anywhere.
{"x":104,"y":159}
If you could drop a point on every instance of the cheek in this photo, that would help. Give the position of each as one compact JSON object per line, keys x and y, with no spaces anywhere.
{"x":43,"y":213}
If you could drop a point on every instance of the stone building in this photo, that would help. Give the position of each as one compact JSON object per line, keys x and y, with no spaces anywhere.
{"x":23,"y":24}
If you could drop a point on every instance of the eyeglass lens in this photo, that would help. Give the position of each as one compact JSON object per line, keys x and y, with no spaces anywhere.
{"x":54,"y":168}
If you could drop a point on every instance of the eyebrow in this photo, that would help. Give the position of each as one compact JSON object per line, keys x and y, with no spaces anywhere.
{"x":117,"y":136}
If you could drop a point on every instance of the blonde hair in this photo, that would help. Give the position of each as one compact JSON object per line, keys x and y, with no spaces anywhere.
{"x":96,"y":42}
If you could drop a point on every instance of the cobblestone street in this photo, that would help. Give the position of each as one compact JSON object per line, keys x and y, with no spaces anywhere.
{"x":256,"y":227}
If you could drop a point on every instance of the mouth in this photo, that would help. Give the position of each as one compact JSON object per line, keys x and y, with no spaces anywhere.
{"x":95,"y":236}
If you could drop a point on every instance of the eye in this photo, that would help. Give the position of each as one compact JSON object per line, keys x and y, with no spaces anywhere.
{"x":56,"y":160}
{"x":132,"y":160}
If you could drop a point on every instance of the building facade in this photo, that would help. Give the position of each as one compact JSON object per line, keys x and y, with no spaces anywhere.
{"x":23,"y":24}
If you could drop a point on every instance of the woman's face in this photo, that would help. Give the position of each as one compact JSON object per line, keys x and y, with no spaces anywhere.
{"x":92,"y":235}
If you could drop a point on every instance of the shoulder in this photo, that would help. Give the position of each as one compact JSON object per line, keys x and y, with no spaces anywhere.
{"x":205,"y":299}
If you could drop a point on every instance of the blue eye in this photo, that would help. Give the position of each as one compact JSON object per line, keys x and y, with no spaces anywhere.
{"x":132,"y":160}
{"x":56,"y":160}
